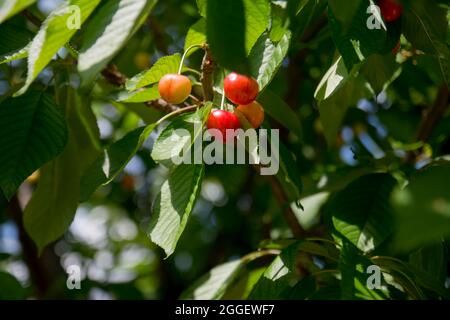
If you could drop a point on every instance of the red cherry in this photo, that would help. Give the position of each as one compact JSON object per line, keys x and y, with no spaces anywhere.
{"x":222,"y":120}
{"x":391,"y":10}
{"x":240,"y":89}
{"x":253,"y":112}
{"x":174,"y":88}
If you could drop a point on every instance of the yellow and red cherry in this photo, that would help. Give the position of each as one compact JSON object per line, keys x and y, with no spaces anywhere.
{"x":174,"y":88}
{"x":222,"y":120}
{"x":391,"y":10}
{"x":253,"y":112}
{"x":240,"y":89}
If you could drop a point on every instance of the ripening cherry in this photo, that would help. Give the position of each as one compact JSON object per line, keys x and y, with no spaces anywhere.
{"x":222,"y":120}
{"x":240,"y":89}
{"x":174,"y":88}
{"x":391,"y":10}
{"x":253,"y":112}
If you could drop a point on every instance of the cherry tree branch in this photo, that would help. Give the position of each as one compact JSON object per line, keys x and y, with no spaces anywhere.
{"x":430,"y":119}
{"x":45,"y":269}
{"x":434,"y":114}
{"x":207,"y":78}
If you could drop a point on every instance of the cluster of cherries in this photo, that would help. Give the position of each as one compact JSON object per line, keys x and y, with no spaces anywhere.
{"x":239,"y":89}
{"x":243,"y":90}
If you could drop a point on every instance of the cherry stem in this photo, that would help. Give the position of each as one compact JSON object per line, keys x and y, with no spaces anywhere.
{"x":222,"y":103}
{"x":176,"y":112}
{"x":185,"y":54}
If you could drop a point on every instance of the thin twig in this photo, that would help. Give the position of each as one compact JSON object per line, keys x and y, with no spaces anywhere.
{"x":114,"y":76}
{"x":207,"y":79}
{"x":32,"y":18}
{"x":430,"y":119}
{"x":34,"y":263}
{"x":162,"y":105}
{"x":284,"y":202}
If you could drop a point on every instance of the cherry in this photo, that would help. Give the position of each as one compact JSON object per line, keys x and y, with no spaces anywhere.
{"x":174,"y":88}
{"x":240,"y":89}
{"x":391,"y":10}
{"x":222,"y":120}
{"x":254,"y":113}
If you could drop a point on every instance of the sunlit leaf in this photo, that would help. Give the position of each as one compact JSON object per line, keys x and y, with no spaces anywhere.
{"x":108,"y":32}
{"x":174,"y":204}
{"x":165,"y":65}
{"x":53,"y":34}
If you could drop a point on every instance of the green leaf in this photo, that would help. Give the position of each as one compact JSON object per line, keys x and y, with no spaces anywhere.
{"x":165,"y":65}
{"x":278,"y":109}
{"x":52,"y":35}
{"x":278,"y":23}
{"x":112,"y":160}
{"x":266,"y":58}
{"x":225,"y":22}
{"x":107,"y":33}
{"x":423,"y":209}
{"x":138,"y":96}
{"x":326,"y":250}
{"x":425,"y":26}
{"x":337,"y":91}
{"x":14,"y":35}
{"x":347,"y":266}
{"x":332,"y":81}
{"x":80,"y":117}
{"x":353,"y":267}
{"x":241,"y":287}
{"x":282,"y":161}
{"x":196,"y":35}
{"x":19,"y":54}
{"x":54,"y":203}
{"x":409,"y":279}
{"x":201,"y":5}
{"x":289,"y":175}
{"x":214,"y":284}
{"x":361,"y":212}
{"x":276,"y":281}
{"x":303,"y":289}
{"x":302,"y":13}
{"x":32,"y":132}
{"x":432,"y":261}
{"x":354,"y":40}
{"x":9,"y":8}
{"x":310,"y":216}
{"x":174,"y":204}
{"x":380,"y":71}
{"x":345,"y":13}
{"x":178,"y":137}
{"x":12,"y":289}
